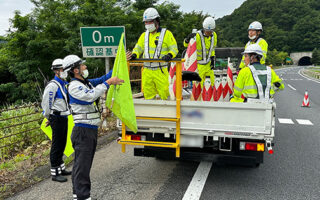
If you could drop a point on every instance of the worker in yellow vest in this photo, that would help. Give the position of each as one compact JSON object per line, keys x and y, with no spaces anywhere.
{"x":257,"y":82}
{"x":155,"y":43}
{"x":254,"y":32}
{"x":206,"y":40}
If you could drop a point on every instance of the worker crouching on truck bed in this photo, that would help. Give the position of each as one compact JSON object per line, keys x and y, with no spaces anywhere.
{"x":256,"y":82}
{"x":155,"y":43}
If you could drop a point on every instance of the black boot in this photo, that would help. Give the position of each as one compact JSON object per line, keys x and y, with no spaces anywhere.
{"x":64,"y":172}
{"x":56,"y":175}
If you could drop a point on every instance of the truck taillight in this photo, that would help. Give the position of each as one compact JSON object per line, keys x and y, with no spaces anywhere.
{"x":135,"y":137}
{"x":251,"y":146}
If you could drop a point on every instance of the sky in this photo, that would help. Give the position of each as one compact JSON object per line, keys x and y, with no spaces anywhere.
{"x":215,"y":8}
{"x":7,"y":8}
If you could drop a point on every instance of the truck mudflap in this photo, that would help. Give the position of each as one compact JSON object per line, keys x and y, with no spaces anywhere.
{"x":243,"y":158}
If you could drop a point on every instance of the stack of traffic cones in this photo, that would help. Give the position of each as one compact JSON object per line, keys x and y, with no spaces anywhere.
{"x":305,"y":102}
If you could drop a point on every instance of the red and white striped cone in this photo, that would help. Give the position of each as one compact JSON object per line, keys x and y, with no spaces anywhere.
{"x":225,"y":89}
{"x":217,"y":82}
{"x":234,"y":78}
{"x":207,"y":90}
{"x":219,"y":90}
{"x":306,"y":102}
{"x":196,"y":91}
{"x":230,"y":80}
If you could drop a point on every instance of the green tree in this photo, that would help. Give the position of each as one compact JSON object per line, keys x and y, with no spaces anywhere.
{"x":315,"y":56}
{"x":276,"y":58}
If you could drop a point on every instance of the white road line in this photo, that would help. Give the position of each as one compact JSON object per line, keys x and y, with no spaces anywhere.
{"x":292,"y":87}
{"x":304,"y":122}
{"x":285,"y":121}
{"x":198,"y":181}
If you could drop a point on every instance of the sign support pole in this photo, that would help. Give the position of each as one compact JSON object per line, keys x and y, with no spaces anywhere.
{"x":103,"y":98}
{"x":107,"y":64}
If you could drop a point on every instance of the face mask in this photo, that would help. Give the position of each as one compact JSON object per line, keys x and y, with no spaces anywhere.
{"x":252,"y":37}
{"x":150,"y":27}
{"x":63,"y":75}
{"x":85,"y":73}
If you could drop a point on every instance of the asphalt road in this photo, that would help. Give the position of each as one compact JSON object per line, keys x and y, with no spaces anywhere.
{"x":292,"y":172}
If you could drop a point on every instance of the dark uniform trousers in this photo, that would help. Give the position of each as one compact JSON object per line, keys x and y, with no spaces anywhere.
{"x":84,"y":142}
{"x":59,"y":127}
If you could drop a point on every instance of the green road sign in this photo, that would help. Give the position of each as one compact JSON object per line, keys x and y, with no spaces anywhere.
{"x":102,"y":41}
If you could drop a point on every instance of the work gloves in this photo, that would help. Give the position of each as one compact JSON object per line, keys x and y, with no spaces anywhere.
{"x":167,"y":57}
{"x":133,"y":56}
{"x":277,"y":84}
{"x":191,"y":35}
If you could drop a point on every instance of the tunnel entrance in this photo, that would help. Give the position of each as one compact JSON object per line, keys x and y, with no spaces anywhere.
{"x":304,"y":61}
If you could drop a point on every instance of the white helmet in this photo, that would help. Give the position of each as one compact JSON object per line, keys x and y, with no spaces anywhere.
{"x":56,"y":64}
{"x":150,"y":14}
{"x":255,"y":26}
{"x":253,"y":48}
{"x":209,"y":23}
{"x":71,"y":61}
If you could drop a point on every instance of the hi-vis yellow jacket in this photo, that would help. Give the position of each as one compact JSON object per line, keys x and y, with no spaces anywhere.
{"x":156,"y":45}
{"x":200,"y":50}
{"x":247,"y":86}
{"x":264,"y":46}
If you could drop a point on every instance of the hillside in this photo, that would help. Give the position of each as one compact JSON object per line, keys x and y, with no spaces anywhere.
{"x":289,"y":25}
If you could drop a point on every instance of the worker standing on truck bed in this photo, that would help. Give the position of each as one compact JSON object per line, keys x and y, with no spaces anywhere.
{"x":257,"y":81}
{"x":155,"y":43}
{"x":206,"y":40}
{"x":254,"y":32}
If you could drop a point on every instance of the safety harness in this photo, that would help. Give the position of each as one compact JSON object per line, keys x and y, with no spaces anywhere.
{"x":89,"y":115}
{"x":65,"y":97}
{"x":156,"y":55}
{"x":205,"y":58}
{"x":262,"y":95}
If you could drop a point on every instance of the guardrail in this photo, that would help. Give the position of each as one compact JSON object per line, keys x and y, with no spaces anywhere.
{"x":19,"y":129}
{"x":311,"y":73}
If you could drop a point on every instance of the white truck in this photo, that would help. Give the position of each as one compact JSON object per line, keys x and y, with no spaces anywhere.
{"x":199,"y":130}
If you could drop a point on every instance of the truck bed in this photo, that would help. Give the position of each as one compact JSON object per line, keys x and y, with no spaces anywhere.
{"x":198,"y":118}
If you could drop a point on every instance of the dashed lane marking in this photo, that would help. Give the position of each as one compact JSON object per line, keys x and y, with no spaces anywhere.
{"x":285,"y":121}
{"x":290,"y":121}
{"x":304,"y":122}
{"x":292,"y":87}
{"x":198,"y":181}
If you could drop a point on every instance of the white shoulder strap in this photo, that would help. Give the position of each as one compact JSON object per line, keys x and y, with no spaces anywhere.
{"x":160,"y":42}
{"x":146,"y":45}
{"x":62,"y":91}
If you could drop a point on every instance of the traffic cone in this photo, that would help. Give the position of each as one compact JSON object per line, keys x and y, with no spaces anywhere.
{"x":305,"y":102}
{"x":207,"y":91}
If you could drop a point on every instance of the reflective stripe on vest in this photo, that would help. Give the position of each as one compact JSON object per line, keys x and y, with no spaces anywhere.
{"x":255,"y":74}
{"x":157,"y":52}
{"x":257,"y":42}
{"x":205,"y":59}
